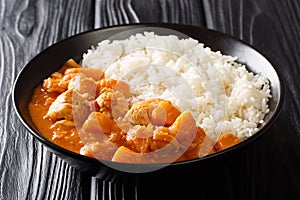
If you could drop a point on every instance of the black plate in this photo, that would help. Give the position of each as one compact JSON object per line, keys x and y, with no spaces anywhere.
{"x":53,"y":57}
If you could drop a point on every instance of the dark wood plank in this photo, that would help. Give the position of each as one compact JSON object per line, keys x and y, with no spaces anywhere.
{"x":28,"y":170}
{"x":273,"y":28}
{"x":116,"y":12}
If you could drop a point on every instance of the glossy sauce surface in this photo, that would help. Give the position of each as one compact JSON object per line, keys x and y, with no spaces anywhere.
{"x":38,"y":108}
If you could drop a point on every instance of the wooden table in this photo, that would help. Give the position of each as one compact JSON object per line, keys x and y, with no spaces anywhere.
{"x":269,"y":169}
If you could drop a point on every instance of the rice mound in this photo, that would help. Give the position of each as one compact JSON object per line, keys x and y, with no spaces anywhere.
{"x":221,"y":94}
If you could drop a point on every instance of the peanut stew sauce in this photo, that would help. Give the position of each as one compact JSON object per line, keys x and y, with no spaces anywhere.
{"x":90,"y":126}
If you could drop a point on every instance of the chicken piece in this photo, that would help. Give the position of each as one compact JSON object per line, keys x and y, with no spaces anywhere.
{"x":107,"y":83}
{"x":98,"y":122}
{"x":158,"y":144}
{"x":124,"y":154}
{"x":184,"y":129}
{"x":225,"y":141}
{"x":61,"y":108}
{"x":101,"y":151}
{"x":162,"y":137}
{"x":156,"y":111}
{"x":112,"y":98}
{"x":58,"y":81}
{"x":104,"y":101}
{"x":95,"y":74}
{"x":65,"y":134}
{"x":164,"y":114}
{"x":165,"y":147}
{"x":119,"y":105}
{"x":98,"y":128}
{"x":81,"y":79}
{"x":200,"y":146}
{"x":71,"y":63}
{"x":54,"y":83}
{"x":115,"y":85}
{"x":83,"y":85}
{"x":140,"y":111}
{"x":69,"y":105}
{"x":146,"y":139}
{"x":139,"y":138}
{"x":207,"y":147}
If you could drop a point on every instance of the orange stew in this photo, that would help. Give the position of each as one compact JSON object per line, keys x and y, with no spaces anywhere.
{"x":80,"y":110}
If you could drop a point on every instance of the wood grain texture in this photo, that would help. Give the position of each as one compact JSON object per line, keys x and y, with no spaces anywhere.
{"x":273,"y":28}
{"x":112,"y":191}
{"x":116,"y":12}
{"x":28,"y":170}
{"x":269,"y":169}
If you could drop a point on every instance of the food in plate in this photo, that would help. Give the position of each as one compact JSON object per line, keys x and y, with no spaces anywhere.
{"x":150,"y":99}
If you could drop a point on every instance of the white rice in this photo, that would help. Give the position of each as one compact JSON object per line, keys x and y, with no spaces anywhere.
{"x":219,"y":92}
